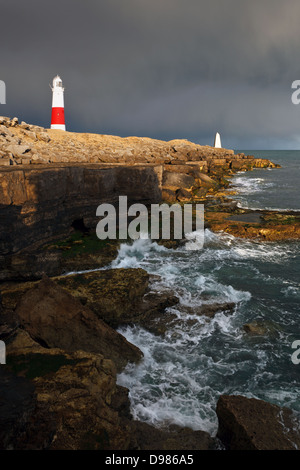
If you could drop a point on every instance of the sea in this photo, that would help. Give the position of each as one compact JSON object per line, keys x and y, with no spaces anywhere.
{"x":184,"y":372}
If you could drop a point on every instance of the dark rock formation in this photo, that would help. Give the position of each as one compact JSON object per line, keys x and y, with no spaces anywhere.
{"x":122,"y":296}
{"x":260,"y":225}
{"x":119,"y":296}
{"x":78,"y":392}
{"x":149,"y":438}
{"x":251,"y":424}
{"x":24,"y":423}
{"x":261,"y":328}
{"x":38,"y":204}
{"x":69,"y":400}
{"x":56,"y":319}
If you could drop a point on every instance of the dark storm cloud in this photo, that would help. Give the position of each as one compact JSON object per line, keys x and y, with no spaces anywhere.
{"x":162,"y":68}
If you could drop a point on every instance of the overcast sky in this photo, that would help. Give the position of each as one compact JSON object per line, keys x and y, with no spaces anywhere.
{"x":160,"y":68}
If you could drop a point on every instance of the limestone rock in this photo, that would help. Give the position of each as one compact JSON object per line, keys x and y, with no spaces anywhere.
{"x":6,"y":161}
{"x":24,"y":125}
{"x":24,"y":425}
{"x":14,"y":122}
{"x":4,"y":120}
{"x":169,"y":195}
{"x":56,"y":319}
{"x":251,"y":424}
{"x":260,"y":328}
{"x":17,"y":150}
{"x":178,"y":180}
{"x":119,"y":296}
{"x":206,"y":180}
{"x":149,"y":438}
{"x":72,"y":402}
{"x":211,"y":309}
{"x":78,"y":394}
{"x":43,"y":136}
{"x":183,"y":195}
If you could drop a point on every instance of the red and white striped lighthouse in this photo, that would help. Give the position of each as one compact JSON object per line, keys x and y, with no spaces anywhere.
{"x":58,"y":109}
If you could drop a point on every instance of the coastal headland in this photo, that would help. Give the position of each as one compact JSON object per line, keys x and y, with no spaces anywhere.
{"x":63,"y":350}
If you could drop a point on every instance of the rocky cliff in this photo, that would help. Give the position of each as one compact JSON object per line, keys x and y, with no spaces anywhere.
{"x":52,"y":180}
{"x":59,"y":389}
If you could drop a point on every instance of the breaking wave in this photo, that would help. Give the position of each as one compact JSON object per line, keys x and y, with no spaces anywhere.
{"x":184,"y":372}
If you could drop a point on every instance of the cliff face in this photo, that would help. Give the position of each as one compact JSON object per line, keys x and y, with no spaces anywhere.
{"x":38,"y":204}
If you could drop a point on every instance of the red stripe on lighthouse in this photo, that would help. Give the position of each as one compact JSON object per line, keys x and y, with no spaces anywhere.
{"x":58,"y":116}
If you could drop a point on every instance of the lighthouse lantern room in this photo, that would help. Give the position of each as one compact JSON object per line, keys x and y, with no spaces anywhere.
{"x":58,"y":110}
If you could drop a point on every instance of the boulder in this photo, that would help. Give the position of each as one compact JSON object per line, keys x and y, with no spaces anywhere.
{"x":14,"y":122}
{"x":260,"y":328}
{"x":37,"y":159}
{"x":24,"y":125}
{"x":119,"y":296}
{"x":200,"y":165}
{"x":4,"y":131}
{"x":149,"y":438}
{"x":32,"y":135}
{"x":211,"y":309}
{"x":200,"y":193}
{"x":4,"y":119}
{"x":206,"y":180}
{"x":183,"y":195}
{"x":17,"y":150}
{"x":43,"y":136}
{"x":168,"y":195}
{"x":252,"y":424}
{"x":56,"y":319}
{"x":178,"y":180}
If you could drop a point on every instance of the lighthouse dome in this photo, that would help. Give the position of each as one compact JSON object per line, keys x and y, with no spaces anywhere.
{"x":57,"y":82}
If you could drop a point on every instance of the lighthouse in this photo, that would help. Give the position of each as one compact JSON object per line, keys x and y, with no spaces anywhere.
{"x":58,"y":109}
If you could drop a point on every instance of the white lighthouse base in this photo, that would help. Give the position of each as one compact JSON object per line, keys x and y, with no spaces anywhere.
{"x":61,"y":127}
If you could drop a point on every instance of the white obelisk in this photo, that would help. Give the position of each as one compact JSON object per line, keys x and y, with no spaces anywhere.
{"x":218,"y":141}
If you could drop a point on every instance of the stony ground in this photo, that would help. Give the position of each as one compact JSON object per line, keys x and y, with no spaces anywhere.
{"x":24,"y":144}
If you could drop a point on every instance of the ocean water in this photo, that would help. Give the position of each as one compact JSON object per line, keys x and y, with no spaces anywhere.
{"x":184,"y":372}
{"x":271,"y":189}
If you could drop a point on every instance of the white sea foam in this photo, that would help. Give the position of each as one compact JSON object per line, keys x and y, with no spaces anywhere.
{"x":131,"y":255}
{"x":181,"y":377}
{"x":251,"y":185}
{"x":292,"y":289}
{"x":183,"y":373}
{"x":246,"y":205}
{"x":164,"y":389}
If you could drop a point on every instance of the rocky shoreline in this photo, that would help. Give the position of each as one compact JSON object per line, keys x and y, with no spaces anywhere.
{"x":63,"y":351}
